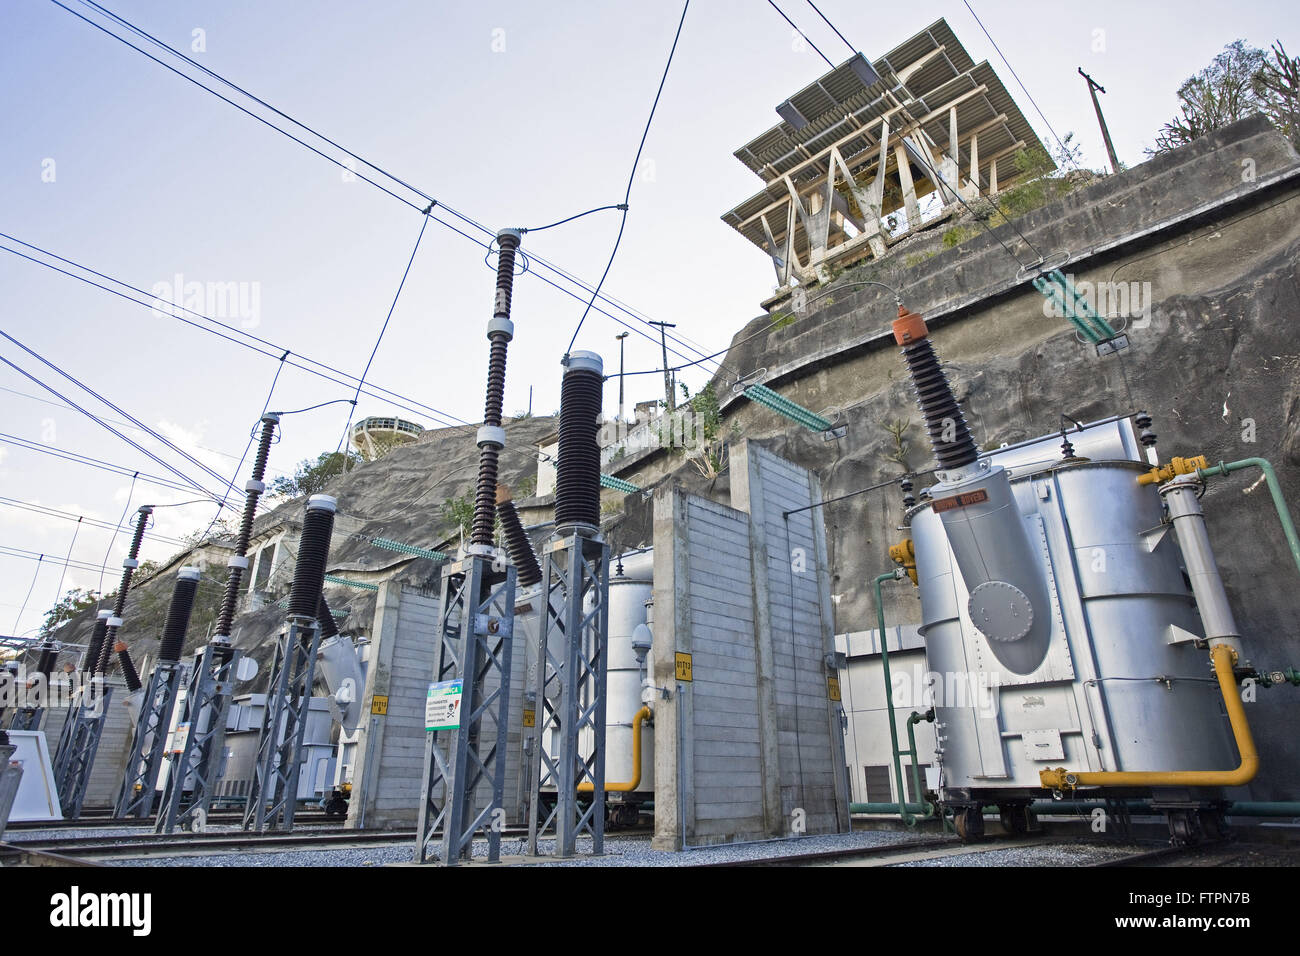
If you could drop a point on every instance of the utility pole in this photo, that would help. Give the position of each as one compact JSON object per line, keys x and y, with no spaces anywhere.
{"x":668,"y":376}
{"x":1093,"y":88}
{"x":620,"y":338}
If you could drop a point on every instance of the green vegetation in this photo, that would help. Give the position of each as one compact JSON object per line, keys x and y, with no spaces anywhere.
{"x":1239,"y":82}
{"x":957,"y":235}
{"x":69,"y":606}
{"x":459,"y":511}
{"x":313,"y":477}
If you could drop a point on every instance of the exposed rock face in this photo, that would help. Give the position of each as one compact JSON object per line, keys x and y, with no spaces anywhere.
{"x":1208,"y":260}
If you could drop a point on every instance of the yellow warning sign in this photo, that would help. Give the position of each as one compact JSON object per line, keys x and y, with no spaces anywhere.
{"x":683,"y":667}
{"x":833,"y":687}
{"x":530,"y":718}
{"x":379,"y":704}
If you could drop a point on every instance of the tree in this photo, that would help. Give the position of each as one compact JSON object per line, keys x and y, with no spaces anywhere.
{"x":459,"y":511}
{"x":69,"y":606}
{"x":1277,"y":86}
{"x":1222,"y":93}
{"x":312,"y":477}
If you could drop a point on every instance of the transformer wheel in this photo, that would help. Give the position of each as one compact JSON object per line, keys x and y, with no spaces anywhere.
{"x":1014,"y":819}
{"x":969,"y":823}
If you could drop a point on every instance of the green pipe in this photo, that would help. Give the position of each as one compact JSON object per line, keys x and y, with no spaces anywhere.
{"x":912,"y":721}
{"x":1248,"y":808}
{"x":1284,"y":516}
{"x":886,"y":808}
{"x":904,"y":809}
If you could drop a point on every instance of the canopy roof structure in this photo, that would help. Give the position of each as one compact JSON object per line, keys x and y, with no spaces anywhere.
{"x":862,"y":143}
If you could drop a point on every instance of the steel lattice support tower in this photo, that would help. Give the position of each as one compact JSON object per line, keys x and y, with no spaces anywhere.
{"x":207,"y":696}
{"x":274,"y":792}
{"x":157,"y":702}
{"x":476,"y":626}
{"x":572,"y":658}
{"x":475,"y":646}
{"x":200,"y":735}
{"x":145,"y":760}
{"x":79,"y":742}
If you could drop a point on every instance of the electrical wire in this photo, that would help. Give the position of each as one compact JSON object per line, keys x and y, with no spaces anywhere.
{"x":8,"y":551}
{"x":430,"y":200}
{"x":113,"y":540}
{"x":58,"y":591}
{"x":32,"y":587}
{"x":832,"y":26}
{"x":619,"y":206}
{"x":1065,"y":152}
{"x":275,"y":351}
{"x":382,"y":329}
{"x":631,"y":178}
{"x":28,"y":445}
{"x":194,"y":485}
{"x":92,"y":522}
{"x":125,"y":414}
{"x":773,"y":5}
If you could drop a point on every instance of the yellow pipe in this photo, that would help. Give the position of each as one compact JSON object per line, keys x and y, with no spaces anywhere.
{"x":642,"y":716}
{"x":1224,"y":657}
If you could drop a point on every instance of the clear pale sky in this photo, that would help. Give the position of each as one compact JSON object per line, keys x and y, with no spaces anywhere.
{"x":514,"y":113}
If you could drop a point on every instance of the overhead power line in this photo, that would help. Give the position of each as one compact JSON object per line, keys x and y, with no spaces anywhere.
{"x":269,"y":349}
{"x":631,"y":178}
{"x":429,"y":202}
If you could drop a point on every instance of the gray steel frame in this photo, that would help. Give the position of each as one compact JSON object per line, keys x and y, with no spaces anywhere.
{"x":208,"y":691}
{"x":475,"y":639}
{"x":27,"y":718}
{"x":78,"y":745}
{"x":578,"y":566}
{"x":273,"y":796}
{"x":142,"y":766}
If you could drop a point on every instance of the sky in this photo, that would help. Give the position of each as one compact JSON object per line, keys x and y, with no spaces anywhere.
{"x":512,"y":113}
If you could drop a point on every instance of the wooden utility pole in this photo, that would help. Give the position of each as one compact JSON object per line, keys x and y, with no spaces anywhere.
{"x":1093,"y":89}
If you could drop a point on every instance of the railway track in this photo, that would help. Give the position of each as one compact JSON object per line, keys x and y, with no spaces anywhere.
{"x":135,"y":846}
{"x":892,"y":853}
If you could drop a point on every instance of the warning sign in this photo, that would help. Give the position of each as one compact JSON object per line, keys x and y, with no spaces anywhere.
{"x":530,"y":717}
{"x":379,"y":704}
{"x":833,"y":688}
{"x":442,"y":706}
{"x":683,"y":667}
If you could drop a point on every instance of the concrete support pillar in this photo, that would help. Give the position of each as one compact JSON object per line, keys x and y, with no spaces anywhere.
{"x":910,"y":206}
{"x":672,"y":635}
{"x":370,"y":730}
{"x":972,"y":189}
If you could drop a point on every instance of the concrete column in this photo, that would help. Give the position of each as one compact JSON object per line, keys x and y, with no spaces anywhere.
{"x":672,"y":633}
{"x":835,"y":709}
{"x":910,"y":206}
{"x":747,"y":494}
{"x":370,"y":741}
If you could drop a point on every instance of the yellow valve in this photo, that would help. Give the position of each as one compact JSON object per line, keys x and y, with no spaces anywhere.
{"x":904,"y":555}
{"x":1172,"y":469}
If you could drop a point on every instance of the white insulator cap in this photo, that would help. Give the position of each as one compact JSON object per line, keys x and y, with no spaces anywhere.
{"x":237,"y":562}
{"x":114,"y":622}
{"x":254,"y":485}
{"x":188,"y":573}
{"x":501,"y":324}
{"x":105,"y":615}
{"x":588,"y":360}
{"x":492,"y":435}
{"x":146,"y":509}
{"x":323,"y":503}
{"x":273,"y":417}
{"x":130,"y":563}
{"x":518,"y":234}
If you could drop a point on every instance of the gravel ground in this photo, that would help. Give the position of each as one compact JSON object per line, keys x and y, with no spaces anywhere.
{"x":1056,"y":854}
{"x":73,"y":833}
{"x":619,"y":851}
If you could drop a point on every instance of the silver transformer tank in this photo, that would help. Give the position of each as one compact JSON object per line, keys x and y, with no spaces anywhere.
{"x":1061,"y":629}
{"x":1123,"y":685}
